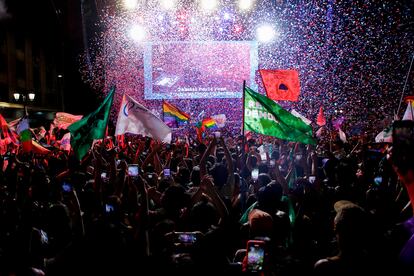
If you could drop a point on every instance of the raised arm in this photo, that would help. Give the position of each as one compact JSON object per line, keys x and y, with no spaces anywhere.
{"x":142,"y":215}
{"x":207,"y":185}
{"x":230,"y":169}
{"x":203,"y":161}
{"x":151,"y":158}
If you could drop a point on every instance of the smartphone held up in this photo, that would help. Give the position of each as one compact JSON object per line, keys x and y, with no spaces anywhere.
{"x":167,"y":172}
{"x":133,"y":170}
{"x":67,"y":187}
{"x":255,"y":255}
{"x":255,"y":174}
{"x":186,"y":237}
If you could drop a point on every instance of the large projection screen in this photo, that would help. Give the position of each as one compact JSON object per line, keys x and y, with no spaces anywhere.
{"x":199,"y":69}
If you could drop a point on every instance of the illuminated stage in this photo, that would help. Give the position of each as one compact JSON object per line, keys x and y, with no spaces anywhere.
{"x":199,"y":69}
{"x":196,"y":54}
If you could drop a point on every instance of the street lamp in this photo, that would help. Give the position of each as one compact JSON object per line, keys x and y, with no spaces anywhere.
{"x":31,"y":96}
{"x":25,"y":96}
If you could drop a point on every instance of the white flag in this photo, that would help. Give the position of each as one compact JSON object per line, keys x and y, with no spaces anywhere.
{"x":201,"y":114}
{"x":300,"y":116}
{"x":220,"y":120}
{"x":136,"y":119}
{"x":342,"y":136}
{"x":319,"y":132}
{"x":409,"y":112}
{"x":384,"y":136}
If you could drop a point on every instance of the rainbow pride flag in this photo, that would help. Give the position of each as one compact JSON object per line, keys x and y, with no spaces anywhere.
{"x":209,"y":123}
{"x":173,"y":116}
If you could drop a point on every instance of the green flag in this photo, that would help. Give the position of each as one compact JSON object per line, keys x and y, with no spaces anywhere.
{"x":264,"y":116}
{"x":90,"y":127}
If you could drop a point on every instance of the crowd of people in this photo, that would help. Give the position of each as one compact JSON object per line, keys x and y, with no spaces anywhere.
{"x":227,"y":206}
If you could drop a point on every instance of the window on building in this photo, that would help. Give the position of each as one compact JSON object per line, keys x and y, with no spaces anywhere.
{"x":3,"y":41}
{"x":36,"y":78}
{"x":3,"y":51}
{"x":20,"y":69}
{"x":20,"y":41}
{"x":4,"y":92}
{"x":3,"y":63}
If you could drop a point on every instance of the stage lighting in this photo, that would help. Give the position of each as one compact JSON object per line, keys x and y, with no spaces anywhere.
{"x":226,"y":16}
{"x":238,"y":29}
{"x":130,"y":4}
{"x":266,"y":33}
{"x":168,"y":4}
{"x":245,"y":4}
{"x":209,"y":5}
{"x":137,"y":33}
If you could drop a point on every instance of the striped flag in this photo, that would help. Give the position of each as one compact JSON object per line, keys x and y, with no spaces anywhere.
{"x":25,"y":134}
{"x":209,"y":123}
{"x":173,"y":116}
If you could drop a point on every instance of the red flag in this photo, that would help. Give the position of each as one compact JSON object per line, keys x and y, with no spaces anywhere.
{"x":121,"y":141}
{"x":200,"y":130}
{"x":281,"y":85}
{"x":248,"y":135}
{"x":321,"y":121}
{"x":38,"y":148}
{"x":6,"y":133}
{"x":63,"y":120}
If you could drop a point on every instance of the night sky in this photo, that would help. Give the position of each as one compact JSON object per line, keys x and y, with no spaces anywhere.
{"x":352,"y":56}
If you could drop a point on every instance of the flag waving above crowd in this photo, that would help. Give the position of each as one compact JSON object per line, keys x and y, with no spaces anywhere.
{"x":6,"y":133}
{"x":91,"y":127}
{"x":63,"y":119}
{"x":264,"y":116}
{"x":281,"y":85}
{"x":136,"y":119}
{"x":173,"y":116}
{"x":321,"y":120}
{"x":23,"y":130}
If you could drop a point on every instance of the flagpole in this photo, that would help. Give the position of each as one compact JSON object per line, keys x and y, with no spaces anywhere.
{"x":107,"y":121}
{"x":162,"y":108}
{"x":405,"y":85}
{"x":244,"y":88}
{"x":330,"y":134}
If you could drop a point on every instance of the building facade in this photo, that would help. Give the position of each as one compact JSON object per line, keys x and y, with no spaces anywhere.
{"x":31,"y":60}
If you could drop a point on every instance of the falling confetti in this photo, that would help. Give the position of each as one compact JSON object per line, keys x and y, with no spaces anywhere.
{"x":352,"y":57}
